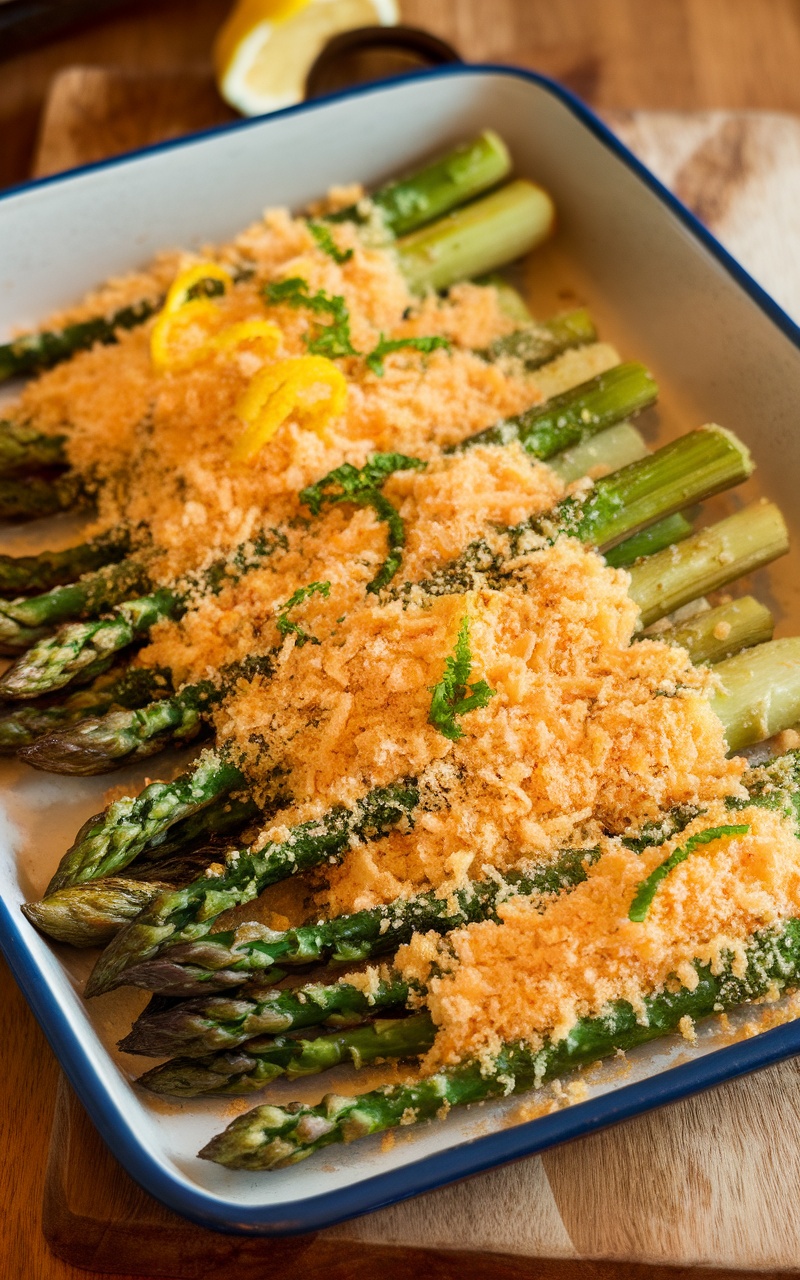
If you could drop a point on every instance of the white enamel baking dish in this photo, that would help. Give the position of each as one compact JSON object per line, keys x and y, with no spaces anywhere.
{"x":659,"y":286}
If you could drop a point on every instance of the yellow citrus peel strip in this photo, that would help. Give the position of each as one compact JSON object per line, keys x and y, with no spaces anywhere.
{"x":180,"y":335}
{"x":171,"y":344}
{"x":263,"y":332}
{"x":283,"y":390}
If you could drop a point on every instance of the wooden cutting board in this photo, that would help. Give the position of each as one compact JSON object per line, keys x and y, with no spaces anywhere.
{"x":711,"y":1182}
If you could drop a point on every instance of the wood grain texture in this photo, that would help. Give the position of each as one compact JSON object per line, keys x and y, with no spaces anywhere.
{"x":670,"y":54}
{"x":428,"y":1237}
{"x":740,"y":173}
{"x":91,"y":114}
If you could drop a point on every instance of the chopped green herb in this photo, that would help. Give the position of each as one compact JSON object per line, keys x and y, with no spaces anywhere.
{"x":329,"y":340}
{"x":294,"y":293}
{"x":333,"y":340}
{"x":450,"y":696}
{"x":284,"y":623}
{"x":206,"y":288}
{"x":387,"y":345}
{"x":355,"y":484}
{"x":646,"y":891}
{"x":361,"y":485}
{"x":327,"y":243}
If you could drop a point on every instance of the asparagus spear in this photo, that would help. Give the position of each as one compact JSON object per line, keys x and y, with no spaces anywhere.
{"x":26,"y":620}
{"x":78,"y":647}
{"x":664,"y":533}
{"x":23,"y":448}
{"x":188,"y":915}
{"x":264,"y":1058}
{"x":408,"y":203}
{"x":611,"y":449}
{"x":224,"y":960}
{"x":405,"y":205}
{"x":108,"y":842}
{"x":656,"y":537}
{"x":770,"y":672}
{"x":619,"y":505}
{"x":28,"y":575}
{"x":758,"y":531}
{"x":534,"y":344}
{"x":91,"y":917}
{"x":209,"y":1023}
{"x":271,"y":1137}
{"x":477,"y":238}
{"x":121,"y":687}
{"x":35,"y":352}
{"x":719,"y":633}
{"x":89,"y":914}
{"x":567,"y":419}
{"x":509,"y":299}
{"x":707,"y":561}
{"x":39,"y":497}
{"x":229,"y":959}
{"x":97,"y":745}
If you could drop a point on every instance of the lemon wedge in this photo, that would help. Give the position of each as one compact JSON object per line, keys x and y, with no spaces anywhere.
{"x":263,"y":52}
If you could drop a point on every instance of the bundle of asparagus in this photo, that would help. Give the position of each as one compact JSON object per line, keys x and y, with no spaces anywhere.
{"x":152,"y":875}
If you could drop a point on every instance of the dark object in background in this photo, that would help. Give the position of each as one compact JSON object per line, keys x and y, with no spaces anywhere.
{"x":24,"y":23}
{"x":373,"y":53}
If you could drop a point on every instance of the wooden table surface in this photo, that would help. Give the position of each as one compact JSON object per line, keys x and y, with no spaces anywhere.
{"x":615,"y":53}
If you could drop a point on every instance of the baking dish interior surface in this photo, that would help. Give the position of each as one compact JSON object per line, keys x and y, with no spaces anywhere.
{"x":661,"y":291}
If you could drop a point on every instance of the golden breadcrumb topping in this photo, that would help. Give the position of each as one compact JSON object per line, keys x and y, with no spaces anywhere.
{"x":160,"y":443}
{"x":531,"y":976}
{"x":580,"y":733}
{"x":583,"y":728}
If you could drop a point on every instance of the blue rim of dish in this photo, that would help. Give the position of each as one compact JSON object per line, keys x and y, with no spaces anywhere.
{"x":478,"y":1154}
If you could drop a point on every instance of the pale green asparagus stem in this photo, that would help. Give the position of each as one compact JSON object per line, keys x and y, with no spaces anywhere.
{"x":271,"y":1137}
{"x":719,"y":633}
{"x":747,"y":540}
{"x":611,"y":449}
{"x":486,"y":234}
{"x":760,"y":693}
{"x":428,"y":193}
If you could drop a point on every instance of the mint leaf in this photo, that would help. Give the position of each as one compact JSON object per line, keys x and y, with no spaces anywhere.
{"x":357,"y":484}
{"x":387,"y":345}
{"x":294,"y":293}
{"x":284,"y":623}
{"x":361,"y":485}
{"x":450,"y":695}
{"x":646,"y":891}
{"x":330,"y":340}
{"x":327,"y":243}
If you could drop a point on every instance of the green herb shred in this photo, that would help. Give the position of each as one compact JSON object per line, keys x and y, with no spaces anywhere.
{"x":331,"y":340}
{"x":284,"y":623}
{"x":450,"y":696}
{"x":646,"y":891}
{"x":327,"y":243}
{"x":387,"y":345}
